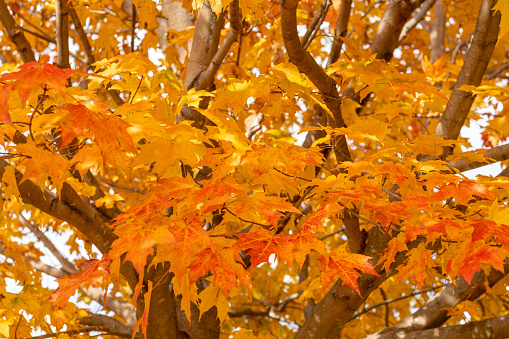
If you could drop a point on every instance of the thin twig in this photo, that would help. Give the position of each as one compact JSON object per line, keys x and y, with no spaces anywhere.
{"x":34,"y":228}
{"x":394,"y":300}
{"x":320,"y":14}
{"x":112,"y":184}
{"x":136,"y":92}
{"x":248,"y":221}
{"x":318,"y":25}
{"x":365,"y":14}
{"x":369,"y":221}
{"x":282,"y":221}
{"x":416,"y":19}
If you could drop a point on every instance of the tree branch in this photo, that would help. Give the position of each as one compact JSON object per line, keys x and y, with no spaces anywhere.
{"x":62,"y":34}
{"x":340,"y":31}
{"x":434,"y":313}
{"x":67,"y":266}
{"x":114,"y":326}
{"x":472,"y":72}
{"x":72,"y":209}
{"x":315,"y":24}
{"x":207,"y":77}
{"x":389,"y":29}
{"x":410,"y":24}
{"x":492,"y":155}
{"x":490,"y":328}
{"x":90,"y":59}
{"x":15,"y":35}
{"x":437,"y":34}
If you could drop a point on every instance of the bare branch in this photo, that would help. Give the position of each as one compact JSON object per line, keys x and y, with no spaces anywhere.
{"x":495,"y":154}
{"x":133,"y":27}
{"x":490,"y":328}
{"x":437,"y":32}
{"x":472,"y":72}
{"x":416,"y":19}
{"x":495,"y":72}
{"x":72,"y":209}
{"x":62,"y":34}
{"x":49,"y":270}
{"x":15,"y":35}
{"x":389,"y":301}
{"x":315,"y":24}
{"x":113,"y":325}
{"x":90,"y":59}
{"x":67,"y":266}
{"x":434,"y":312}
{"x":340,"y":31}
{"x":207,"y":77}
{"x":395,"y":16}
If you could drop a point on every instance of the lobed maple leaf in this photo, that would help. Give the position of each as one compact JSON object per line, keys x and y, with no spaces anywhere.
{"x":345,"y":265}
{"x":93,"y":272}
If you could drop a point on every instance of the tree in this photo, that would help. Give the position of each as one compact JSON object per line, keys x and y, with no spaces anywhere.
{"x":254,"y":168}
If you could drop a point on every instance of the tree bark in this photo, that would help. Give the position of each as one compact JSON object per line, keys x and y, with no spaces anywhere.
{"x":389,"y":29}
{"x":472,"y":72}
{"x":15,"y":34}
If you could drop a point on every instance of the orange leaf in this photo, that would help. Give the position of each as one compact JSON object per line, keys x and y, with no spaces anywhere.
{"x":346,"y":265}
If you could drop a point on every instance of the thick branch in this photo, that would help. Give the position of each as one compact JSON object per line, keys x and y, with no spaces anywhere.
{"x":485,"y":329}
{"x":395,"y":16}
{"x":434,"y":313}
{"x":472,"y":72}
{"x":204,"y":48}
{"x":114,"y":326}
{"x":62,"y":34}
{"x":15,"y":34}
{"x":73,"y":210}
{"x":207,"y":77}
{"x":340,"y":31}
{"x":495,"y":154}
{"x":340,"y":303}
{"x":437,"y":34}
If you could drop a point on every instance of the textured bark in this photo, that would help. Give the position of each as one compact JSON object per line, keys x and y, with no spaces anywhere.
{"x":395,"y":16}
{"x":495,"y":154}
{"x":434,"y":313}
{"x":204,"y":48}
{"x":72,"y":209}
{"x":175,"y":18}
{"x":472,"y":72}
{"x":206,"y":78}
{"x":205,"y":44}
{"x":162,"y":314}
{"x":486,"y":329}
{"x":15,"y":34}
{"x":340,"y":303}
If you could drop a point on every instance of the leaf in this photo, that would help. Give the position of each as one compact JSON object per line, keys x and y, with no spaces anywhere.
{"x":345,"y":265}
{"x":92,"y":274}
{"x":503,"y":7}
{"x":419,"y":259}
{"x":143,"y":321}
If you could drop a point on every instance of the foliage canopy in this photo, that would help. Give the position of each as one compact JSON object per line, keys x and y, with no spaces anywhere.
{"x":253,"y":168}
